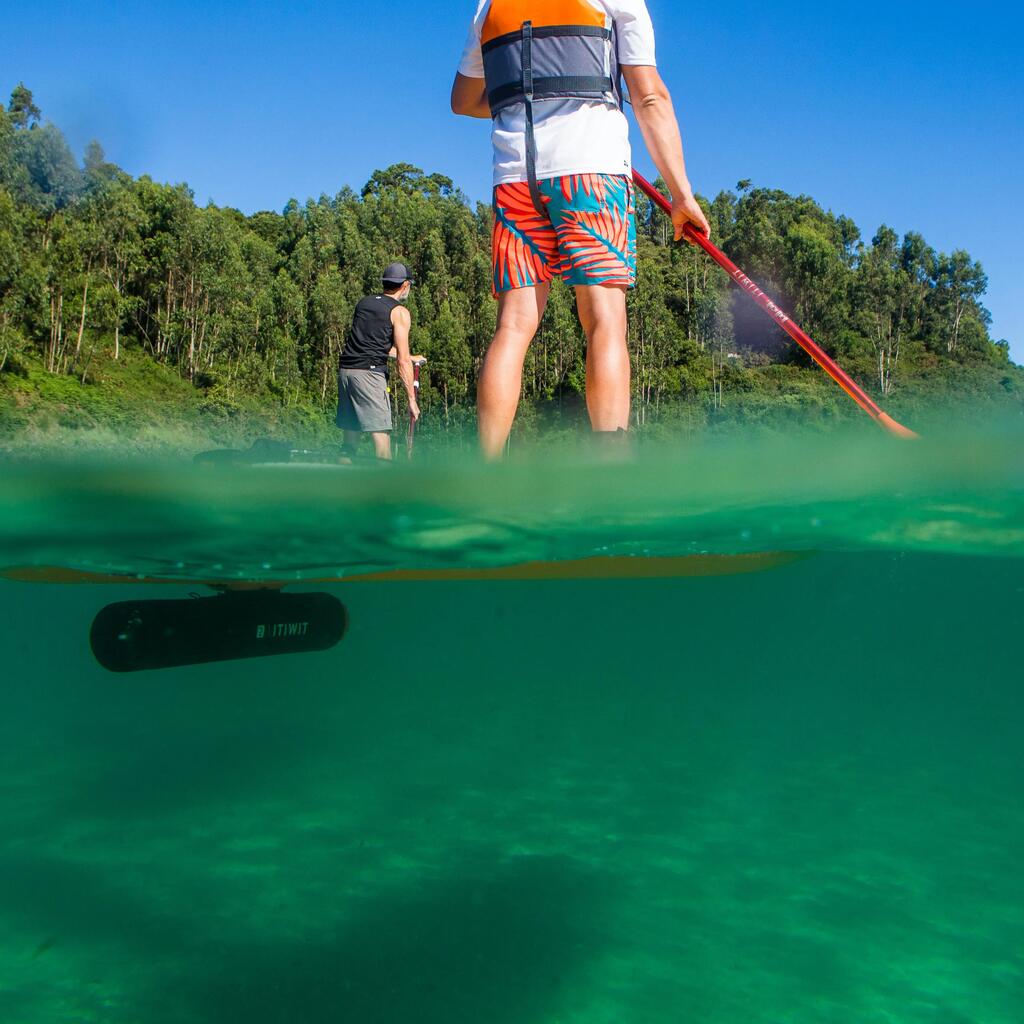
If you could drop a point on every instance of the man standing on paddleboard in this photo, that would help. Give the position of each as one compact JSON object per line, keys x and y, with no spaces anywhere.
{"x":380,"y":330}
{"x":548,"y":72}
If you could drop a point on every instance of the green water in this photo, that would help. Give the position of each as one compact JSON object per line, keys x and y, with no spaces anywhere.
{"x":791,"y":795}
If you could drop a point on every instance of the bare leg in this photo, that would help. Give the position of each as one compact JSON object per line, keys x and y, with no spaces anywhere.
{"x":382,"y":445}
{"x":351,"y":442}
{"x":501,"y":379}
{"x":603,"y":315}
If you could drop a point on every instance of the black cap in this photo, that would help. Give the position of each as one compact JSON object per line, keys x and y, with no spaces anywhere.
{"x":397,"y":273}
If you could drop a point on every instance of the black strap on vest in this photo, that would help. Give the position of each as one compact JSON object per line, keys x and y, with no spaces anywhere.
{"x":531,"y":138}
{"x":569,"y":86}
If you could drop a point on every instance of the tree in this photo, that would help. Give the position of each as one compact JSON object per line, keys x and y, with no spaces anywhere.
{"x":51,"y":179}
{"x":407,"y":179}
{"x":120,"y":254}
{"x":721,"y":337}
{"x":95,"y":158}
{"x":23,"y":112}
{"x":449,"y":359}
{"x":7,"y":163}
{"x":816,"y":278}
{"x":883,"y":297}
{"x":10,"y":266}
{"x":330,"y":314}
{"x":960,"y":284}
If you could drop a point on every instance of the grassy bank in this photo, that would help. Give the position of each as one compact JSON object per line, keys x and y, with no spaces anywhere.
{"x":136,"y":404}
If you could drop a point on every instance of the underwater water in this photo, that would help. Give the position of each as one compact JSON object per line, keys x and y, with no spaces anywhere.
{"x":784,"y":786}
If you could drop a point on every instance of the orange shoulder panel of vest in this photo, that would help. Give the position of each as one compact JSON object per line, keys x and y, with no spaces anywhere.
{"x":507,"y":16}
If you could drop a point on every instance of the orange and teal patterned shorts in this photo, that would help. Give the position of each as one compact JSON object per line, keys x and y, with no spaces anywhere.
{"x":588,"y":236}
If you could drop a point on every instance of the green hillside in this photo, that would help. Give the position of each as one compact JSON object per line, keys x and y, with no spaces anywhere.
{"x":130,"y":315}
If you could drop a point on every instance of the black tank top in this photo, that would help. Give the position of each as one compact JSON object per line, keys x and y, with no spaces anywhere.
{"x":372,"y":335}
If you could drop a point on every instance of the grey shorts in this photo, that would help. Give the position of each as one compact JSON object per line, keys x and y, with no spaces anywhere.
{"x":363,"y":401}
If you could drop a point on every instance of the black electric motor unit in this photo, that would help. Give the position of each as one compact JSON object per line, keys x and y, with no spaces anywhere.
{"x":135,"y":636}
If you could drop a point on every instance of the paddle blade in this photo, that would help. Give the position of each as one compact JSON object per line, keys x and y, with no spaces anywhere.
{"x":897,"y":428}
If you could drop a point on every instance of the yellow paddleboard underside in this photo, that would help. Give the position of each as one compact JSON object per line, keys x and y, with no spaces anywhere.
{"x":602,"y":568}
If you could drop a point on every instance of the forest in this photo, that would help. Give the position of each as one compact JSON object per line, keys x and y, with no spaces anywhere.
{"x":124,"y":304}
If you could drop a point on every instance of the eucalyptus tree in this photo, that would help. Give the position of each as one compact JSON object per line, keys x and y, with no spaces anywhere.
{"x":960,"y":283}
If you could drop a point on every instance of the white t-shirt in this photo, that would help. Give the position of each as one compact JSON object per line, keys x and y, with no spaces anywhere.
{"x":573,"y":136}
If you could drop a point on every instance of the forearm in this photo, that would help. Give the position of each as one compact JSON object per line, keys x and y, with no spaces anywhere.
{"x":405,"y":372}
{"x":660,"y":128}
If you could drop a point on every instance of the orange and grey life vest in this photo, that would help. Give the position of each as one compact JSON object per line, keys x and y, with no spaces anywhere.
{"x":548,"y":50}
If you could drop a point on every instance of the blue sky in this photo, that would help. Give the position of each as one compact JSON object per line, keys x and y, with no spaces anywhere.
{"x":902,"y":113}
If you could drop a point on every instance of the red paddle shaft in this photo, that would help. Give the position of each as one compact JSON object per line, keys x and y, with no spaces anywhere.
{"x":801,"y":337}
{"x":417,"y":363}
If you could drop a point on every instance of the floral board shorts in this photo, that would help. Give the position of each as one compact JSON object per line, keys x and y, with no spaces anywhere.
{"x":588,"y":236}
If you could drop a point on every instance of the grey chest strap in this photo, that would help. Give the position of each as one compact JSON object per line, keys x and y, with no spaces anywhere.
{"x":531,"y":134}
